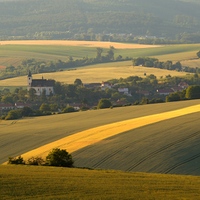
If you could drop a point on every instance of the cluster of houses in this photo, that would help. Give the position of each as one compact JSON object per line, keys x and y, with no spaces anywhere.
{"x":42,"y":86}
{"x":107,"y":85}
{"x":10,"y":106}
{"x":166,"y":91}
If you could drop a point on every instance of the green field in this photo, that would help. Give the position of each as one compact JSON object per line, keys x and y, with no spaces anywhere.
{"x":21,"y":183}
{"x":169,"y":146}
{"x":14,"y":54}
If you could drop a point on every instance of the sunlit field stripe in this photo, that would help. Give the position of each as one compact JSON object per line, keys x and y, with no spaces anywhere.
{"x":91,"y":136}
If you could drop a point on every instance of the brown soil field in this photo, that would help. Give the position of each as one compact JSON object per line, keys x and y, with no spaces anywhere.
{"x":77,"y":43}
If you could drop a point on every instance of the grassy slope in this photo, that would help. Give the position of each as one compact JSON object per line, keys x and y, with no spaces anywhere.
{"x":94,"y":74}
{"x":14,"y":54}
{"x":171,"y":146}
{"x":21,"y":136}
{"x":19,"y":182}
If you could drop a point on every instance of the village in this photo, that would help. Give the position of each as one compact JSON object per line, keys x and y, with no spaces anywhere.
{"x":133,"y":90}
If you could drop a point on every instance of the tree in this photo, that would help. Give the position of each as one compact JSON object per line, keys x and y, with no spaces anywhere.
{"x":60,"y":158}
{"x":173,"y":97}
{"x":110,"y":53}
{"x":78,"y":82}
{"x":14,"y":114}
{"x":68,"y":109}
{"x":32,"y":93}
{"x":99,"y":52}
{"x":27,"y":111}
{"x":44,"y":107}
{"x":198,"y":54}
{"x":17,"y":161}
{"x":35,"y":161}
{"x":193,"y":92}
{"x":104,"y":103}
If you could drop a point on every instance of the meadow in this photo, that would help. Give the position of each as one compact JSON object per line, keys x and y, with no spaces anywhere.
{"x":22,"y":182}
{"x":120,"y":138}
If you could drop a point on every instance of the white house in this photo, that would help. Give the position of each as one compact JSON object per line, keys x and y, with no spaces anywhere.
{"x":105,"y":85}
{"x":6,"y":106}
{"x":40,"y":85}
{"x":125,"y":91}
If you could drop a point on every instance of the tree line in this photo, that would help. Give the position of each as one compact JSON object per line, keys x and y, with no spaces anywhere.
{"x":41,"y":66}
{"x":55,"y":19}
{"x":169,"y":65}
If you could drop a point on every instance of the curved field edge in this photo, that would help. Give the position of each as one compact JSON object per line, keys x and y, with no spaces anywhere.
{"x":170,"y":146}
{"x":20,"y":136}
{"x":91,"y":136}
{"x":62,"y":183}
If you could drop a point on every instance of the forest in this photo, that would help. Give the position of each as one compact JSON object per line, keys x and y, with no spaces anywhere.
{"x":155,"y":21}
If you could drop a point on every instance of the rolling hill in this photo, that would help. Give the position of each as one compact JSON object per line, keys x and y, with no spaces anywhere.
{"x":60,"y":19}
{"x":168,"y":146}
{"x":22,"y":182}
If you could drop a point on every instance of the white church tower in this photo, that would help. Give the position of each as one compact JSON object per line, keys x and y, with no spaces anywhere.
{"x":40,"y":85}
{"x":29,"y":79}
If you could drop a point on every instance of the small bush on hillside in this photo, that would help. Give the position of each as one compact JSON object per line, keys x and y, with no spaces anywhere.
{"x":35,"y":161}
{"x":69,"y":109}
{"x":59,"y":158}
{"x":16,"y":160}
{"x":104,"y":103}
{"x":13,"y":114}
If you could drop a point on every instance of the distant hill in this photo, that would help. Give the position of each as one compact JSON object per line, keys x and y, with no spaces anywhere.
{"x":65,"y":18}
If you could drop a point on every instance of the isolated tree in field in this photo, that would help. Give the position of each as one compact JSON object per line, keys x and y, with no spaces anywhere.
{"x":193,"y":92}
{"x":60,"y":158}
{"x":35,"y":161}
{"x":198,"y":54}
{"x":99,"y":53}
{"x":110,"y":53}
{"x":16,"y":160}
{"x":104,"y":103}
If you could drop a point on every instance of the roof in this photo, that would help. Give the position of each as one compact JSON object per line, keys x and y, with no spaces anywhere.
{"x":42,"y":83}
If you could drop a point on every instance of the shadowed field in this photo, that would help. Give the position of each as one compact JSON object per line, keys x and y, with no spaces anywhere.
{"x":20,"y":182}
{"x":167,"y":140}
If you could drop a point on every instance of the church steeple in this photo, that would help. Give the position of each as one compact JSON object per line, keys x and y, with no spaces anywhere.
{"x":29,"y":74}
{"x":29,"y":78}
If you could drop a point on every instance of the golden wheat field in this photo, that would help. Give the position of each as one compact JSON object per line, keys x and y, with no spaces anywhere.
{"x":95,"y":74}
{"x":77,"y":43}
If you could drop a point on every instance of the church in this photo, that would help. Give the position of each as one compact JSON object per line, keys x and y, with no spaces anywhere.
{"x":40,"y":85}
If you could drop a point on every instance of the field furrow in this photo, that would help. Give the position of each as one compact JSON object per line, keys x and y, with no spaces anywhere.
{"x":85,"y":138}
